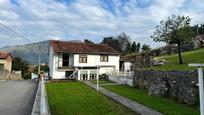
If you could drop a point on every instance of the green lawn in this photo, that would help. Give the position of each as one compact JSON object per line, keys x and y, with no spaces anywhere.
{"x":101,"y":81}
{"x":196,"y":56}
{"x":164,"y":105}
{"x":75,"y":98}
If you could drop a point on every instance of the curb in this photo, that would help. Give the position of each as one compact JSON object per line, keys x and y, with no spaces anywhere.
{"x":36,"y":108}
{"x":2,"y":81}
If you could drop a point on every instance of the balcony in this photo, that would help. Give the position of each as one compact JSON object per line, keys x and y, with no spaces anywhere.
{"x":65,"y":65}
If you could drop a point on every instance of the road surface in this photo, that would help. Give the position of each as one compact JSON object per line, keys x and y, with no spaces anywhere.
{"x":17,"y":97}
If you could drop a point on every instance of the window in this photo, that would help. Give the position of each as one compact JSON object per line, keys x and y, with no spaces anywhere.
{"x":65,"y":59}
{"x":92,"y":76}
{"x":1,"y":66}
{"x":104,"y":58}
{"x":82,"y":58}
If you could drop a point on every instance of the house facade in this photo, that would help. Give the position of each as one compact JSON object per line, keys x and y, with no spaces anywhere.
{"x":5,"y":61}
{"x":81,"y":60}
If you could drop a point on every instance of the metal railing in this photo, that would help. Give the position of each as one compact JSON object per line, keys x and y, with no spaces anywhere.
{"x":120,"y":73}
{"x":73,"y":75}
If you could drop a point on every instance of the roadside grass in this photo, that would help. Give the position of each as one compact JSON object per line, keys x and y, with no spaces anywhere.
{"x":163,"y":105}
{"x":75,"y":98}
{"x":101,"y":81}
{"x":195,"y":56}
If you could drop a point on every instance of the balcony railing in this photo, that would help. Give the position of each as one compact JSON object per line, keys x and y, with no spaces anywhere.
{"x":120,"y":73}
{"x":60,"y":65}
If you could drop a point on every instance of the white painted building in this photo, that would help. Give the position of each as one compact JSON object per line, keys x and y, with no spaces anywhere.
{"x":67,"y":59}
{"x":125,"y":65}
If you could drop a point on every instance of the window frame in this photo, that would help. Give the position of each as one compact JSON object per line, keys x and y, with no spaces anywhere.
{"x":83,"y":58}
{"x":103,"y":58}
{"x":1,"y":66}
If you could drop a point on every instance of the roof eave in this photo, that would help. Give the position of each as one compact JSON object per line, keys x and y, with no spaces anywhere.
{"x":88,"y":52}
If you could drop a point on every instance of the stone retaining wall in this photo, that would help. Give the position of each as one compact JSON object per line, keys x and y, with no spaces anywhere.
{"x":6,"y":75}
{"x":179,"y":85}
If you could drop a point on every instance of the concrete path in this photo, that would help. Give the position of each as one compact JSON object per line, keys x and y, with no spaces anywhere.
{"x":138,"y":108}
{"x":17,"y":97}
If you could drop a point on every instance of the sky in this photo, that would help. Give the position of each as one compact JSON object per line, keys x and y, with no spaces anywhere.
{"x":39,"y":20}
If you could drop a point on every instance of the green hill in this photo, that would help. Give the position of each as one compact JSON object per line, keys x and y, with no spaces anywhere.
{"x":195,"y":56}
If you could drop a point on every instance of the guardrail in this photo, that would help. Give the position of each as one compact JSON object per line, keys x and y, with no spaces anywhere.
{"x":44,"y":106}
{"x":41,"y":106}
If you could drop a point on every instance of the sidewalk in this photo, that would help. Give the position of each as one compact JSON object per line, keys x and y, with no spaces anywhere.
{"x":138,"y":108}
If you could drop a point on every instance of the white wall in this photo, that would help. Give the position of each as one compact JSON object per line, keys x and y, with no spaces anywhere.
{"x":51,"y":67}
{"x":55,"y":73}
{"x":121,"y":80}
{"x":127,"y":66}
{"x":94,"y":60}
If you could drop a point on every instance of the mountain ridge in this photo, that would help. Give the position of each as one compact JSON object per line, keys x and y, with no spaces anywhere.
{"x":29,"y":52}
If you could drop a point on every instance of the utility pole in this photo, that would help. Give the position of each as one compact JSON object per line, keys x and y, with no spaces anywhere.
{"x":197,"y":30}
{"x":39,"y":60}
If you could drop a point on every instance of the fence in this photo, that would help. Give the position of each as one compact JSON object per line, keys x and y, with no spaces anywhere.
{"x":121,"y":77}
{"x":120,"y":74}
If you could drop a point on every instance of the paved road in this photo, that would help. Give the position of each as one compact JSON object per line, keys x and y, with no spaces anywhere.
{"x":17,"y":97}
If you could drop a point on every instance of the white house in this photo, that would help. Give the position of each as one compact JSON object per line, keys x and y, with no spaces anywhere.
{"x":81,"y":60}
{"x":5,"y":61}
{"x":125,"y":64}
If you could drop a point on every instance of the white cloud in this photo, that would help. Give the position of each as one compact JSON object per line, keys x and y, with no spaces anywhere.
{"x":55,"y":38}
{"x":46,"y":19}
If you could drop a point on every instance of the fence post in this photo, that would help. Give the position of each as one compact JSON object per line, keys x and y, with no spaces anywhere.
{"x":200,"y":82}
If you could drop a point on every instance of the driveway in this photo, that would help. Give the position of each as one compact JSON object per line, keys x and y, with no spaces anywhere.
{"x":17,"y":97}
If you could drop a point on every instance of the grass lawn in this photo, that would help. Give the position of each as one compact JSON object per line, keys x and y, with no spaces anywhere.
{"x":164,"y":105}
{"x":75,"y":98}
{"x":195,"y":56}
{"x":101,"y":81}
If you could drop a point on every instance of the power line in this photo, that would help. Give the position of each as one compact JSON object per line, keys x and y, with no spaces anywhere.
{"x":5,"y":31}
{"x":11,"y":30}
{"x":195,"y":13}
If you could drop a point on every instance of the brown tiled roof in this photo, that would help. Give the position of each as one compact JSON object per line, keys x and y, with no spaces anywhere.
{"x":70,"y":47}
{"x":4,"y":55}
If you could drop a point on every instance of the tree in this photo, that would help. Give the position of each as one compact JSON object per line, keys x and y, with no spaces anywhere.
{"x":133,"y":47}
{"x":112,"y":42}
{"x":119,"y":43}
{"x":128,"y":48}
{"x":138,"y":47}
{"x":145,"y":47}
{"x":123,"y":40}
{"x":88,"y":41}
{"x":43,"y":68}
{"x":19,"y":65}
{"x":174,"y":30}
